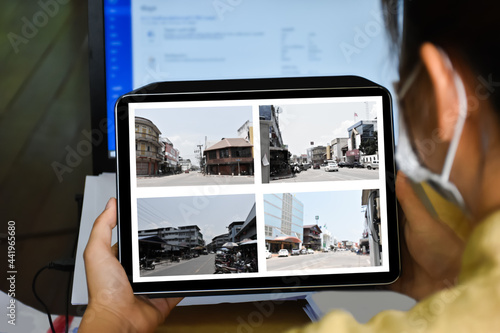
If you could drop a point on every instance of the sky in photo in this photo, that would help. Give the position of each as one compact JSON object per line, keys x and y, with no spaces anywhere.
{"x":187,"y":127}
{"x":319,"y":123}
{"x":212,"y":214}
{"x":340,"y":211}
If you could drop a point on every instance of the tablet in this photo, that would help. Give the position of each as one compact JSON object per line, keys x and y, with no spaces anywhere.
{"x":258,"y":185}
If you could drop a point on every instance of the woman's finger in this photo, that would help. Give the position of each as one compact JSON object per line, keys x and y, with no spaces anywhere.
{"x":100,"y":237}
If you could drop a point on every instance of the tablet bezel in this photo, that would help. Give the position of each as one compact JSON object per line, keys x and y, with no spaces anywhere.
{"x":248,"y":90}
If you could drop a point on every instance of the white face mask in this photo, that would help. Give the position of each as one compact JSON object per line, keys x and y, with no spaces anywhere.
{"x":408,"y":160}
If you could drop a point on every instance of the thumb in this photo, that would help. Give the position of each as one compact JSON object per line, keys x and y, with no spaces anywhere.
{"x":100,"y":237}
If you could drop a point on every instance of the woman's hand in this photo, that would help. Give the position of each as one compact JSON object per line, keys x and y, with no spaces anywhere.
{"x":431,"y":252}
{"x":112,"y":305}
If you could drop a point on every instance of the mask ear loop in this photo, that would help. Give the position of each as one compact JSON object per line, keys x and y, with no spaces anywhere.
{"x":462,"y":116}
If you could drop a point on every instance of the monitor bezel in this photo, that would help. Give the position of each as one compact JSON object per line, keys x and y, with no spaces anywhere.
{"x":101,"y":161}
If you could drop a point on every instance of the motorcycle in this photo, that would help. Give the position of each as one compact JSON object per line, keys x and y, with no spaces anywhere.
{"x":224,"y":269}
{"x":147,"y":264}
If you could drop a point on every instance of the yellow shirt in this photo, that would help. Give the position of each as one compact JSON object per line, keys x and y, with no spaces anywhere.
{"x":473,"y":305}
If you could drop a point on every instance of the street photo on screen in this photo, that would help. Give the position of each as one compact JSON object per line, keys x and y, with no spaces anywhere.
{"x":194,"y":146}
{"x":197,"y":235}
{"x":319,"y":142}
{"x":322,"y":230}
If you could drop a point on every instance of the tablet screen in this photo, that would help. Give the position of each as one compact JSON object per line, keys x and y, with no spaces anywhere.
{"x":257,"y":188}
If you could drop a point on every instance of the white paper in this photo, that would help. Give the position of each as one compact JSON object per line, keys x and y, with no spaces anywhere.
{"x":265,"y":161}
{"x":98,"y":190}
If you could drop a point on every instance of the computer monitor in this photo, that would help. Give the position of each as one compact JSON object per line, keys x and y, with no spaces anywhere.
{"x":136,"y":42}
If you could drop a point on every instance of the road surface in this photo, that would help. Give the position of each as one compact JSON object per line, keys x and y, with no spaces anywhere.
{"x":193,"y":179}
{"x":318,"y":260}
{"x":204,"y":264}
{"x":316,"y":175}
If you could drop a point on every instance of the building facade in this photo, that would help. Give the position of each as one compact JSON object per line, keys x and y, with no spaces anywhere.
{"x":229,"y":157}
{"x":274,"y":152}
{"x":183,"y":238}
{"x":246,"y":132}
{"x":218,"y":241}
{"x":319,"y":155}
{"x":171,"y":157}
{"x":327,"y":239}
{"x":233,"y":229}
{"x":359,"y":133}
{"x":148,"y":147}
{"x":312,"y":237}
{"x":338,"y":149}
{"x":283,"y":221}
{"x":248,"y":230}
{"x":185,"y":164}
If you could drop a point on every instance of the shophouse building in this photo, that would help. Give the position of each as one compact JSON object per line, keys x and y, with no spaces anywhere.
{"x":312,"y":237}
{"x":148,"y":147}
{"x":230,"y":156}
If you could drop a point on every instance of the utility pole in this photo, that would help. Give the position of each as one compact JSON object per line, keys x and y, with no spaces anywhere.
{"x":202,"y":167}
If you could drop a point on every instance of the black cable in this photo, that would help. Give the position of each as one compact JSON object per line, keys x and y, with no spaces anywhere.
{"x":60,"y":265}
{"x":33,"y":286}
{"x":67,"y":300}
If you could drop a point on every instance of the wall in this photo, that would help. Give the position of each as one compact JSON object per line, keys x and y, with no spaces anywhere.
{"x":44,"y":107}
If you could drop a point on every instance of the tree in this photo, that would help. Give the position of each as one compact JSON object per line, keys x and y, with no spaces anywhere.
{"x":369,"y":146}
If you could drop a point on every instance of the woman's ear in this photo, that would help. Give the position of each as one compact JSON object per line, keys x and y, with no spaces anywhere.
{"x":443,"y":86}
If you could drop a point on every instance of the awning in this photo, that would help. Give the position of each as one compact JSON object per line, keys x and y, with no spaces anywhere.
{"x":248,"y":242}
{"x":289,"y":239}
{"x":353,"y":152}
{"x":151,"y":239}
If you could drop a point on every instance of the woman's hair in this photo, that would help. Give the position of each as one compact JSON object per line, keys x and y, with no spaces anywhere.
{"x":468,"y":30}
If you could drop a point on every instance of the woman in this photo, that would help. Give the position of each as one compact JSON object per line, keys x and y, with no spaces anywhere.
{"x":450,"y":138}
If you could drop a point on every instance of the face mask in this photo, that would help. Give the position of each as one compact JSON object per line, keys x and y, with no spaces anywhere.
{"x":407,"y":159}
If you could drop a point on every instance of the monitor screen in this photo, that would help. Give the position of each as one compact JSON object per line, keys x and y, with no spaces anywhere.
{"x":173,"y":40}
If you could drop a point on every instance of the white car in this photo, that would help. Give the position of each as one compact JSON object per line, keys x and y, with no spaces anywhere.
{"x":310,"y":251}
{"x":268,"y":254}
{"x":332,"y":166}
{"x":372,"y":165}
{"x":283,"y":253}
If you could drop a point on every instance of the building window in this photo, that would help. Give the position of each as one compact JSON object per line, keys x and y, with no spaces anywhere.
{"x":149,"y":148}
{"x":242,"y":152}
{"x":269,"y":231}
{"x":224,"y":153}
{"x":212,"y":155}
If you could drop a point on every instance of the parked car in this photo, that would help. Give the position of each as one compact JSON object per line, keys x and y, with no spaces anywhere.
{"x":332,"y":166}
{"x":268,"y":254}
{"x":316,"y":166}
{"x":283,"y":253}
{"x":325,"y":249}
{"x":310,"y":251}
{"x":307,"y":165}
{"x":295,"y":252}
{"x":303,"y":251}
{"x":342,"y":164}
{"x":372,"y":165}
{"x":358,"y":165}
